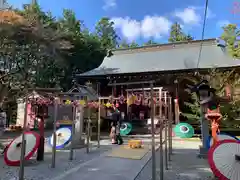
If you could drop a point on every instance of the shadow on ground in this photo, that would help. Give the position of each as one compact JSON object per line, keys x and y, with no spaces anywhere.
{"x":184,"y":165}
{"x":35,"y":170}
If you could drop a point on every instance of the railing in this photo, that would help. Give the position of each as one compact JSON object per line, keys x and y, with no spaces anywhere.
{"x":154,"y":169}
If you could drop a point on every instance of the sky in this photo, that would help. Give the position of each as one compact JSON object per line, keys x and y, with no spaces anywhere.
{"x":148,"y":19}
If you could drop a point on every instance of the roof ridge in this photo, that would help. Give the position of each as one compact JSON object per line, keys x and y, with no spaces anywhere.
{"x":166,"y":46}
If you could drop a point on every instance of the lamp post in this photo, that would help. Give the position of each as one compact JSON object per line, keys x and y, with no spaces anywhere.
{"x":205,"y":94}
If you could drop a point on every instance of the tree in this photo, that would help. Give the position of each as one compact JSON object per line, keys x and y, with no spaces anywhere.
{"x":25,"y":47}
{"x":133,"y":45}
{"x":149,"y":42}
{"x":177,"y":34}
{"x":59,"y":47}
{"x":106,"y":32}
{"x":218,"y":80}
{"x":123,"y":44}
{"x":49,"y":70}
{"x":230,"y":35}
{"x":87,"y":50}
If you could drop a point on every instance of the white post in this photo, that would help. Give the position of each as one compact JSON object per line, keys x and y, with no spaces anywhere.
{"x":79,"y":125}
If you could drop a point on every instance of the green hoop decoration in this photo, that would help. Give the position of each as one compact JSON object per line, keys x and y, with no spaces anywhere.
{"x":184,"y":130}
{"x":125,"y":128}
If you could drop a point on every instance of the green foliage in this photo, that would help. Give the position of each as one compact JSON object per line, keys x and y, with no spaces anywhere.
{"x":218,"y":80}
{"x":106,"y":33}
{"x":124,"y":44}
{"x":230,"y":35}
{"x":45,"y":51}
{"x":133,"y":44}
{"x":192,"y":109}
{"x":149,"y":43}
{"x":177,"y":34}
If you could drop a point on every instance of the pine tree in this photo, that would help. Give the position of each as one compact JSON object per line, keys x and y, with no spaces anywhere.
{"x":218,"y":81}
{"x":177,"y":34}
{"x":231,"y":35}
{"x":150,"y":42}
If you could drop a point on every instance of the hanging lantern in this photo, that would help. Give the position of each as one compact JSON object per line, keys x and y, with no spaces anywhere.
{"x":75,"y":103}
{"x":141,"y":115}
{"x":82,"y":102}
{"x":108,"y":105}
{"x":68,"y":102}
{"x":129,"y":101}
{"x":121,"y":99}
{"x":90,"y":104}
{"x":154,"y":100}
{"x":137,"y":101}
{"x":95,"y":105}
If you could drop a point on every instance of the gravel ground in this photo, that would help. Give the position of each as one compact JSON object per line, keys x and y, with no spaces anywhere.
{"x":184,"y":165}
{"x":42,"y":170}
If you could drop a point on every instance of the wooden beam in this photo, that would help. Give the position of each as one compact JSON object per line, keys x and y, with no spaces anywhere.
{"x":145,"y":89}
{"x":131,"y":83}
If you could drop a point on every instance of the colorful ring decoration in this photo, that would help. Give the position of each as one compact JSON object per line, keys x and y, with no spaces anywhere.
{"x":224,"y":159}
{"x":125,"y":128}
{"x":221,"y":136}
{"x":184,"y":130}
{"x":64,"y":136}
{"x":12,"y":155}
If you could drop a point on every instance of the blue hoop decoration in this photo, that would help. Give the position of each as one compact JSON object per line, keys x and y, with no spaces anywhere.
{"x":226,"y":134}
{"x":65,"y":139}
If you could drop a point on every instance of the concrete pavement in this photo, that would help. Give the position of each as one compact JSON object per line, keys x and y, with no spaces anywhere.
{"x":184,"y":164}
{"x":106,"y":168}
{"x":84,"y":166}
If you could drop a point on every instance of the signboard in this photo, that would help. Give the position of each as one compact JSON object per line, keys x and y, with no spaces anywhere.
{"x":64,"y":122}
{"x":65,"y":115}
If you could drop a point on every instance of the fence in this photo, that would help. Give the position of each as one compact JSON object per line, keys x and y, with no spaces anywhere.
{"x":154,"y":168}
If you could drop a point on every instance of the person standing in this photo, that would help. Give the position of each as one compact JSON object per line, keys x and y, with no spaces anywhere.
{"x":118,"y":135}
{"x":113,"y":133}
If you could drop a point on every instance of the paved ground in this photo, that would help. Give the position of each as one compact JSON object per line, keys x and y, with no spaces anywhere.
{"x":184,"y":165}
{"x":84,"y":165}
{"x":107,"y":168}
{"x":43,"y":170}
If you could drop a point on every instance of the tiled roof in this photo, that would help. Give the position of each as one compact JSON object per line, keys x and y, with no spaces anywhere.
{"x":169,"y":57}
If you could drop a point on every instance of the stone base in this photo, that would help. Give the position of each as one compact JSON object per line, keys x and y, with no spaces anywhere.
{"x":203,"y":153}
{"x":78,"y":144}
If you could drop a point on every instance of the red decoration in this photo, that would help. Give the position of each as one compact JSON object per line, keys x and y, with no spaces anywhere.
{"x":141,"y":115}
{"x":28,"y":154}
{"x":214,"y":116}
{"x":212,"y":160}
